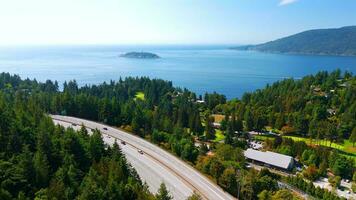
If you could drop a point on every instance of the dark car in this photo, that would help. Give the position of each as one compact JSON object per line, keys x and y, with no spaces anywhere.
{"x":74,"y":124}
{"x":123,"y":142}
{"x":105,"y":128}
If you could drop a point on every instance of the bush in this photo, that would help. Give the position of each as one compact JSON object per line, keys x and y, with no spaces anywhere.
{"x":311,"y":173}
{"x":335,"y":181}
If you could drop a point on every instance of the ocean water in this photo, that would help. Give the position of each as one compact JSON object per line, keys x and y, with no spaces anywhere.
{"x":198,"y":68}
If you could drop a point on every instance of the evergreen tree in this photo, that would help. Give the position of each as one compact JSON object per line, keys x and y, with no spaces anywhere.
{"x":96,"y":146}
{"x":163,"y":193}
{"x":353,"y":136}
{"x":194,"y":196}
{"x":248,"y":120}
{"x":42,"y":169}
{"x":209,"y":128}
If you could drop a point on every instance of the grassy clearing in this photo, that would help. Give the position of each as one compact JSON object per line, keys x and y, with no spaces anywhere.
{"x":263,"y":137}
{"x":349,"y":147}
{"x":346,"y":148}
{"x":218,"y":135}
{"x":320,"y":142}
{"x":140,"y":96}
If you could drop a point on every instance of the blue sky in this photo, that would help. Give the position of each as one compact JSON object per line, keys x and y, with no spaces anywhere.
{"x":166,"y":21}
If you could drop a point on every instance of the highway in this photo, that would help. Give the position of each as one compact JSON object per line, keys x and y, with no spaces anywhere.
{"x":155,"y":165}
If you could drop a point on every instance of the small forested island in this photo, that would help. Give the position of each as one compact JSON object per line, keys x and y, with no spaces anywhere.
{"x":140,"y":55}
{"x":335,"y":41}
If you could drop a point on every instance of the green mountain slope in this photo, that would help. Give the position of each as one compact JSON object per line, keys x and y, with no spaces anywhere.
{"x":340,"y":41}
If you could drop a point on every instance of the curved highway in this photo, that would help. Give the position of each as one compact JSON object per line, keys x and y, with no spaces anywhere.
{"x":154,"y":165}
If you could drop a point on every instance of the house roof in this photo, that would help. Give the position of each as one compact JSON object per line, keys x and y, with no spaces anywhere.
{"x":268,"y":157}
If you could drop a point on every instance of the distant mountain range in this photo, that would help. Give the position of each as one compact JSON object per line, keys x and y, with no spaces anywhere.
{"x":338,"y":41}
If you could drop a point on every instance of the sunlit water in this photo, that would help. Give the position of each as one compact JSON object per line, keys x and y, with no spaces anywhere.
{"x":198,"y":68}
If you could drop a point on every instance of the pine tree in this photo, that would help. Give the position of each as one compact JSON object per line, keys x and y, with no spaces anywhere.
{"x":229,"y":134}
{"x":163,"y":193}
{"x":353,"y":136}
{"x":248,"y":120}
{"x":96,"y":145}
{"x":194,"y":196}
{"x":209,"y":129}
{"x":41,"y":167}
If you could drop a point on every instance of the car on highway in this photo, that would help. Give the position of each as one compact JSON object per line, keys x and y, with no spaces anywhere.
{"x":105,"y":128}
{"x":74,"y":124}
{"x":123,"y":142}
{"x":140,"y":151}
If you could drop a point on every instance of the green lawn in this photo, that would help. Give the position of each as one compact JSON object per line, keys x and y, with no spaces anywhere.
{"x":346,"y":147}
{"x":321,"y":142}
{"x":140,"y":95}
{"x":263,"y":137}
{"x":218,"y":135}
{"x":349,"y":147}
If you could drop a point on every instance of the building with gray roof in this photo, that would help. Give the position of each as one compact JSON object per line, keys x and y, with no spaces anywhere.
{"x":270,"y":158}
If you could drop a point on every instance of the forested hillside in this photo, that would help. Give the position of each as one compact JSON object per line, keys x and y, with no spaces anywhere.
{"x":41,"y":161}
{"x":340,"y":41}
{"x":321,"y":107}
{"x":64,"y":164}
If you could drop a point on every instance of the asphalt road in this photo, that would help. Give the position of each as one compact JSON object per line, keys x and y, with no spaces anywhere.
{"x":155,"y":165}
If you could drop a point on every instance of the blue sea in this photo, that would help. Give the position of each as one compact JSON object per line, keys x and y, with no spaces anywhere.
{"x":198,"y":68}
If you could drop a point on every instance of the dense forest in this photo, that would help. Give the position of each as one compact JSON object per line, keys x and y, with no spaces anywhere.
{"x":41,"y":161}
{"x":338,"y":41}
{"x":318,"y":107}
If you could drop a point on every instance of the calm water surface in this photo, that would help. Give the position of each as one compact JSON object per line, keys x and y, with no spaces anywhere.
{"x":198,"y":68}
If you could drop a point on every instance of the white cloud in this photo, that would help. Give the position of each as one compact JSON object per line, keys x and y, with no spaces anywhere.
{"x":285,"y":2}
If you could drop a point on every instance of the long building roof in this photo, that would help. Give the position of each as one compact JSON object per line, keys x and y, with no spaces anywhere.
{"x":268,"y":157}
